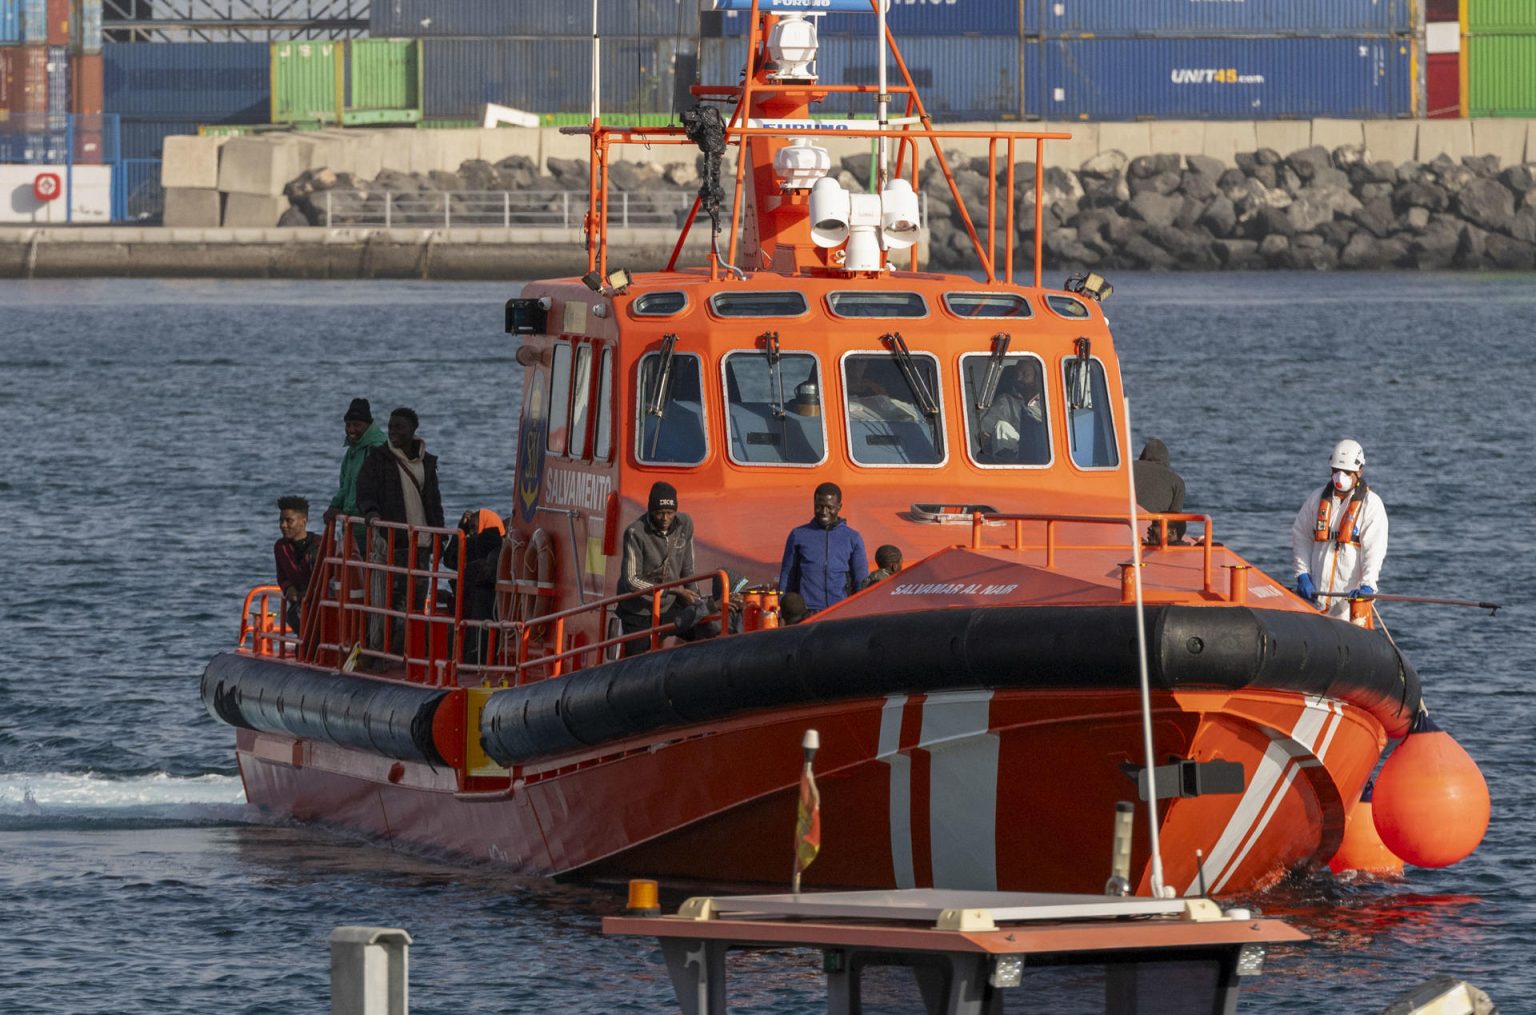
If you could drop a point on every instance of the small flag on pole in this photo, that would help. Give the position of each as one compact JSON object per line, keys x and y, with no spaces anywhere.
{"x":808,"y":813}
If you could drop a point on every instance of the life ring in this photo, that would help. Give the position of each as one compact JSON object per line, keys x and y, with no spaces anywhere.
{"x":506,"y":573}
{"x":47,"y":187}
{"x":539,"y":571}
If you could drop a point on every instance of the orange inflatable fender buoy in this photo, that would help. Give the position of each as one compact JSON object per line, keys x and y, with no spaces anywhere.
{"x":1362,"y":849}
{"x":1431,"y":801}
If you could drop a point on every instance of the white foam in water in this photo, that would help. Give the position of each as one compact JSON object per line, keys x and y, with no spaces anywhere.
{"x":64,"y":795}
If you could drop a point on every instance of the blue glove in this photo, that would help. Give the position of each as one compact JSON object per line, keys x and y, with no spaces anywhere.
{"x":1364,"y":590}
{"x":1305,"y":588}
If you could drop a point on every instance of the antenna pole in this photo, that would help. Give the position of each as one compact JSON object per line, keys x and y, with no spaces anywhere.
{"x":1141,"y":656}
{"x":882,"y":105}
{"x":597,"y":77}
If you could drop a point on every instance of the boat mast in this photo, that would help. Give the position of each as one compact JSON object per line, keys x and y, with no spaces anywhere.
{"x":597,"y":79}
{"x":882,"y":103}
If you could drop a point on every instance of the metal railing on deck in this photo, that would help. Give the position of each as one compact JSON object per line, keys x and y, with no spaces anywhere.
{"x":384,"y":597}
{"x":1237,"y":590}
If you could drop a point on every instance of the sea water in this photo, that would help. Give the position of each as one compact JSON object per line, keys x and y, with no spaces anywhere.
{"x":153,"y":423}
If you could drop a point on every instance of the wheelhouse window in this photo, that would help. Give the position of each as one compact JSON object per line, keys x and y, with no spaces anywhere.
{"x":1068,"y":307}
{"x":559,"y":399}
{"x":670,"y":405}
{"x":581,"y":400}
{"x":877,"y":304}
{"x":987,"y":305}
{"x":659,"y":304}
{"x":773,"y":409}
{"x":758,"y":304}
{"x":602,"y":438}
{"x":894,"y":416}
{"x":1007,"y":416}
{"x":1090,"y":423}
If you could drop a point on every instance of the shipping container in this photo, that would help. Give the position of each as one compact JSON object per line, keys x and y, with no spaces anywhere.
{"x":531,"y":18}
{"x":1204,"y":18}
{"x":85,"y":26}
{"x":1228,"y":78}
{"x":308,"y":82}
{"x":211,"y":82}
{"x":1501,"y":75}
{"x":144,"y":139}
{"x":1500,"y":17}
{"x":383,"y":81}
{"x":546,"y":75}
{"x":86,"y":93}
{"x":10,"y":22}
{"x":23,"y":80}
{"x":923,"y":17}
{"x":1442,"y":10}
{"x":1442,"y":86}
{"x":58,"y":80}
{"x":34,"y":22}
{"x":58,"y":22}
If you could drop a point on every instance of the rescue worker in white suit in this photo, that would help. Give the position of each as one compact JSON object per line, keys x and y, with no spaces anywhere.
{"x":1339,"y":539}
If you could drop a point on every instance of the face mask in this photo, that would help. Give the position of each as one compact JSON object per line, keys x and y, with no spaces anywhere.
{"x":1343,"y":481}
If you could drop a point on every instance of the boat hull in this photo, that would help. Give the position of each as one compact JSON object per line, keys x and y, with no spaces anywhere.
{"x":990,"y":789}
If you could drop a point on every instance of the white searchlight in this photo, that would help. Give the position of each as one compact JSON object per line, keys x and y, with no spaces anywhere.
{"x":867,"y":223}
{"x":899,"y":215}
{"x":792,"y":47}
{"x":798,"y":166}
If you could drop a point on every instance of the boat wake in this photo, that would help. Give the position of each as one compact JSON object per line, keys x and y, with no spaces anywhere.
{"x":63,"y":800}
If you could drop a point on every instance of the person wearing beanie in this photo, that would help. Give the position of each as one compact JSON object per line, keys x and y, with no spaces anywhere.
{"x":658,"y":548}
{"x":362,"y":435}
{"x":1159,"y":488}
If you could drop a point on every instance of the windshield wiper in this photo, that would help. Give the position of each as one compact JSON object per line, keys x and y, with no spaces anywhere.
{"x":660,"y":393}
{"x":903,"y":356}
{"x":994,"y":372}
{"x":775,"y":374}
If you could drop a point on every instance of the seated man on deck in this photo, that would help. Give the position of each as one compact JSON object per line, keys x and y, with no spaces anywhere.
{"x":658,"y":548}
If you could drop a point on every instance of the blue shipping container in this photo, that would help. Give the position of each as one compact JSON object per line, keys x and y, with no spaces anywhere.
{"x":208,"y":82}
{"x":926,"y":17}
{"x":1224,"y":79}
{"x":1202,"y":17}
{"x":957,"y":78}
{"x":553,"y":75}
{"x":33,"y":17}
{"x":143,"y":139}
{"x":530,"y":18}
{"x":10,"y":21}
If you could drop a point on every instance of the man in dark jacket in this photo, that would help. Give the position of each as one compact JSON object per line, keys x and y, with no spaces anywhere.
{"x":658,"y":548}
{"x":824,"y":559}
{"x":295,"y":555}
{"x":1159,"y":488}
{"x":398,"y":483}
{"x":362,"y":437}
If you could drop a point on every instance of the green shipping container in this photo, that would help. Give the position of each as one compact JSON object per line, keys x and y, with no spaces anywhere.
{"x":384,"y":78}
{"x":308,"y":81}
{"x":1501,"y":75}
{"x":1500,"y":17}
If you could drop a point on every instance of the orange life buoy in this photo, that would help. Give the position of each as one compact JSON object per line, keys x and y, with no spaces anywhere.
{"x":539,"y":572}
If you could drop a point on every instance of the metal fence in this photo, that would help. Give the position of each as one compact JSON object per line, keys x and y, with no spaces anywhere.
{"x":136,"y":192}
{"x":556,"y":209}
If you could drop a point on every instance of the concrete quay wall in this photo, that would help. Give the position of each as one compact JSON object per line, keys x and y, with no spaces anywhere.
{"x":308,"y":253}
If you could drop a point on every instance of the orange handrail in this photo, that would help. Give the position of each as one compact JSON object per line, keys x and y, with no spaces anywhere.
{"x":1205,"y":546}
{"x":264,"y":631}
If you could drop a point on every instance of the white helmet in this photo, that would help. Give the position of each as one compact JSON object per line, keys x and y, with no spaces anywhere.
{"x":1348,"y":456}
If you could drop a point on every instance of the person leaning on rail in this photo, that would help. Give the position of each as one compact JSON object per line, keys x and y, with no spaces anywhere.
{"x":1159,"y":488}
{"x":658,"y":548}
{"x":1339,"y":538}
{"x":362,"y":436}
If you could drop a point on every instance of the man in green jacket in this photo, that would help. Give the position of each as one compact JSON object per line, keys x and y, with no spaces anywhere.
{"x":361,"y":436}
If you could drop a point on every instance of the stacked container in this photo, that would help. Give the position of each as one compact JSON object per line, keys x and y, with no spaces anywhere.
{"x":50,"y":68}
{"x":1498,"y":57}
{"x":365,"y":81}
{"x":536,"y":55}
{"x":1264,"y":59}
{"x":161,"y":89}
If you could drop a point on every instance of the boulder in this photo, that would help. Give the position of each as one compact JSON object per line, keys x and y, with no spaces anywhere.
{"x":1306,"y":162}
{"x":1454,"y":177}
{"x":1239,"y":255}
{"x":441,"y":179}
{"x":1105,"y":164}
{"x":517,"y":172}
{"x":1435,"y":247}
{"x":1523,"y":225}
{"x":681,"y":175}
{"x":1205,"y":165}
{"x":1151,"y":165}
{"x":1416,"y":219}
{"x":858,"y":166}
{"x":1486,"y":202}
{"x":1273,"y":247}
{"x":1368,"y":192}
{"x":1062,"y":188}
{"x":1308,"y":211}
{"x":1510,"y":254}
{"x":569,"y":173}
{"x":1219,"y":216}
{"x":1519,"y":179}
{"x":1266,"y":174}
{"x":1336,"y":233}
{"x":1348,"y":155}
{"x":1376,"y":217}
{"x":1338,"y":198}
{"x":1419,"y":194}
{"x":1270,"y":221}
{"x":1158,"y":183}
{"x":1104,"y":191}
{"x":1472,"y":248}
{"x":1327,"y":176}
{"x":1268,"y":157}
{"x":1143,"y":253}
{"x":1200,"y":186}
{"x":1485,"y":166}
{"x":1156,"y":209}
{"x":633,"y":176}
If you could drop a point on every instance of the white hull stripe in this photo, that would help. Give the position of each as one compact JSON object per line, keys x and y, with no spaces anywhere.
{"x":900,"y":812}
{"x":1308,"y":741}
{"x":962,"y":789}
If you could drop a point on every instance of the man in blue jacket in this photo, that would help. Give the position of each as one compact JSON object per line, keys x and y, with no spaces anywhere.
{"x":824,"y":559}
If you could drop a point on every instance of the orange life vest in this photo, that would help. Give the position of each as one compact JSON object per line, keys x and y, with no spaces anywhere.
{"x":1347,"y":532}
